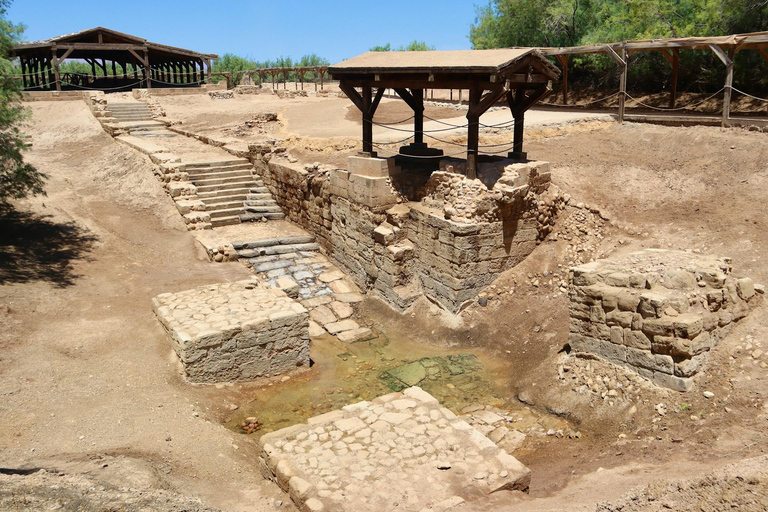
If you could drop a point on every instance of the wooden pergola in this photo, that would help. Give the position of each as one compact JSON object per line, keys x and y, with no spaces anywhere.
{"x":153,"y":64}
{"x":520,"y":76}
{"x":724,"y":47}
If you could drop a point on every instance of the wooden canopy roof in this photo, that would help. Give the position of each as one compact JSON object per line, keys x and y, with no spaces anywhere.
{"x":105,"y":41}
{"x":447,"y":69}
{"x":522,"y":76}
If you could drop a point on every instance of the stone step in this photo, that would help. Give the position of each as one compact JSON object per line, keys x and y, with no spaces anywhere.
{"x":276,"y":249}
{"x":268,"y":242}
{"x":224,"y":205}
{"x":225,"y":221}
{"x":247,"y":178}
{"x":240,"y":198}
{"x":224,"y":186}
{"x":219,"y":163}
{"x":259,"y":197}
{"x":260,"y":202}
{"x":260,"y":190}
{"x":221,"y":175}
{"x":222,"y":168}
{"x":263,"y":209}
{"x":252,"y":217}
{"x":221,"y":193}
{"x":229,"y":212}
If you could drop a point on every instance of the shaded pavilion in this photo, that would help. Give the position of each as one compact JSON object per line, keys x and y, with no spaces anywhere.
{"x":520,"y":77}
{"x":154,"y":65}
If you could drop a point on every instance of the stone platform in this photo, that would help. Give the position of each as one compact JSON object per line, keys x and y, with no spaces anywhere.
{"x":657,"y":312}
{"x":400,"y":450}
{"x":235,"y":331}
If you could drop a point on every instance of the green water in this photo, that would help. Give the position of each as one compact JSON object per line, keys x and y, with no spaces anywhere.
{"x":345,"y":373}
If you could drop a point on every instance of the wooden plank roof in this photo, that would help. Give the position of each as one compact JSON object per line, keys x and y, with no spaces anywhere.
{"x":443,"y":62}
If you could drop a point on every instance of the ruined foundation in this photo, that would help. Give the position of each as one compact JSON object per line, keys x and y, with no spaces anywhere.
{"x":401,"y":449}
{"x":446,"y":236}
{"x":235,"y":331}
{"x":658,"y":313}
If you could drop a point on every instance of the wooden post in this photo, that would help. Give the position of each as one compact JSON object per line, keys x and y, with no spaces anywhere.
{"x":56,"y":74}
{"x":147,"y":70}
{"x":728,"y":88}
{"x":367,"y":121}
{"x":673,"y":87}
{"x":322,"y":76}
{"x":623,"y":84}
{"x":24,"y":72}
{"x":563,"y":59}
{"x":473,"y":131}
{"x":418,"y":116}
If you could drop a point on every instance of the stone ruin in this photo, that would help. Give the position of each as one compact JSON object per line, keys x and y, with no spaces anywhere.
{"x":235,"y":331}
{"x":400,"y":234}
{"x":658,"y":313}
{"x":399,"y":450}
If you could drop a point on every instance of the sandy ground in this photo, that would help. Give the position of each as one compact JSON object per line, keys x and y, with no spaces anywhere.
{"x":90,"y":386}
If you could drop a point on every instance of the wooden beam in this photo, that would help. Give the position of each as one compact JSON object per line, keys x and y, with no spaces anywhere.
{"x":516,"y":80}
{"x":56,"y":75}
{"x":473,"y":131}
{"x":728,"y":87}
{"x":66,"y":54}
{"x":367,"y":121}
{"x":490,"y":99}
{"x":621,"y":61}
{"x":563,"y":59}
{"x":353,"y":95}
{"x":667,"y":54}
{"x":524,"y":102}
{"x":418,"y":116}
{"x":407,"y":97}
{"x":138,"y":58}
{"x":673,"y":86}
{"x":624,"y":63}
{"x":763,"y":53}
{"x":721,"y":55}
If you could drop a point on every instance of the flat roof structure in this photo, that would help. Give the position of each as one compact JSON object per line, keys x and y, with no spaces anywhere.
{"x":522,"y":76}
{"x":153,"y":64}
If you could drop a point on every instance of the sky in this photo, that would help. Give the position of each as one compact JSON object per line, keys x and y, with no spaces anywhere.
{"x":259,"y":29}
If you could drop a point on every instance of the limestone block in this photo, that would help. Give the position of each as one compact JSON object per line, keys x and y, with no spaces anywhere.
{"x":181,"y":188}
{"x":745,"y":288}
{"x":373,"y":167}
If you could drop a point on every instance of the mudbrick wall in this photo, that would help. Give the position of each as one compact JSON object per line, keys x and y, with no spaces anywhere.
{"x":657,"y":312}
{"x":448,"y":246}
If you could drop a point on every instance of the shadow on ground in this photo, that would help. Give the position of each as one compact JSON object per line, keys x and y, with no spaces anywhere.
{"x":35,"y":248}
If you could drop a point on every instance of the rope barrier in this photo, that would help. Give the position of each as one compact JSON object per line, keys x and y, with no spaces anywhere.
{"x":584,"y":104}
{"x":417,"y":156}
{"x":749,"y":95}
{"x":395,"y":123}
{"x":674,"y":109}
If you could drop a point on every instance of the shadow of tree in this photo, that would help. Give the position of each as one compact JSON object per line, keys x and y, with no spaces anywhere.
{"x":35,"y":248}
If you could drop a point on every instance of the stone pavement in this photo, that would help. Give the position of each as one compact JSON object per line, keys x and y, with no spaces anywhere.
{"x":235,"y":331}
{"x":321,"y":287}
{"x":401,"y":451}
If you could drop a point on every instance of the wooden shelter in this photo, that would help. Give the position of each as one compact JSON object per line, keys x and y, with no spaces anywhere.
{"x":154,"y":65}
{"x":724,"y":47}
{"x":520,"y":76}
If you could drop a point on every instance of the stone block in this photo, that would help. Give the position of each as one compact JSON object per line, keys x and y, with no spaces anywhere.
{"x":221,"y":332}
{"x":745,"y":288}
{"x":373,"y":167}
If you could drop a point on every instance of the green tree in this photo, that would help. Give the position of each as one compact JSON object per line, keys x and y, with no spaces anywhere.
{"x":413,"y":46}
{"x":18,"y":179}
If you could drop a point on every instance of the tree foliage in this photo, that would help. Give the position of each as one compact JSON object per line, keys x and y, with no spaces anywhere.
{"x":413,"y":46}
{"x":505,"y":23}
{"x":230,"y":62}
{"x":18,"y":179}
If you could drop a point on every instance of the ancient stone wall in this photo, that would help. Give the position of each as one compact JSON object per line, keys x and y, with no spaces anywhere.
{"x":235,"y":331}
{"x":657,"y":312}
{"x":449,"y":246}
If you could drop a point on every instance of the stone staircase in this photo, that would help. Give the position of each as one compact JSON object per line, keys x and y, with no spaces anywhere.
{"x":129,"y":118}
{"x":231,"y":193}
{"x":129,"y":111}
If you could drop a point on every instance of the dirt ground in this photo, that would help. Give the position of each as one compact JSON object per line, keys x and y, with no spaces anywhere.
{"x":91,"y":391}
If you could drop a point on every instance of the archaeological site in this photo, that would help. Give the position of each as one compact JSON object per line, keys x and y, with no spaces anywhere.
{"x":418,"y":280}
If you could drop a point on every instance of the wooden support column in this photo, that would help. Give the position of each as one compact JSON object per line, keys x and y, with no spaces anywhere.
{"x":418,"y":116}
{"x":673,"y":85}
{"x":56,"y":74}
{"x":623,"y":85}
{"x":24,"y":72}
{"x":322,"y":76}
{"x":147,"y":70}
{"x":473,"y":131}
{"x":563,"y":59}
{"x":728,"y":61}
{"x":367,"y":106}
